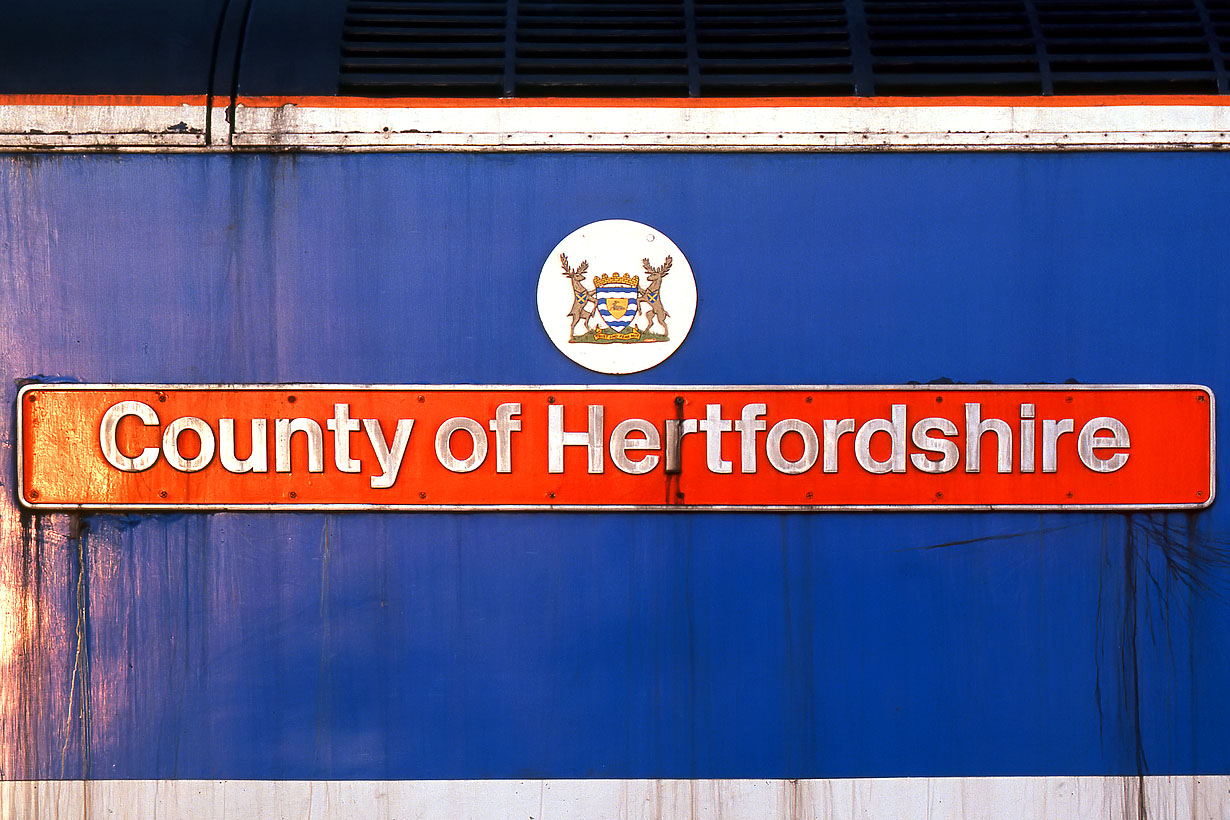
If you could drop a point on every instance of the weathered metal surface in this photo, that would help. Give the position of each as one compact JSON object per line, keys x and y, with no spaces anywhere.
{"x":611,"y":645}
{"x":45,"y":123}
{"x":773,"y":125}
{"x":983,"y":798}
{"x":818,"y":125}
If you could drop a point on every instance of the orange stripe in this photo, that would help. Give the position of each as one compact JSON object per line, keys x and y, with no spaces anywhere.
{"x":148,"y":100}
{"x":648,"y":102}
{"x":740,"y":102}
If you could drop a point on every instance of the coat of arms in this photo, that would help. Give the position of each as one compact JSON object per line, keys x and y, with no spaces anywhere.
{"x":616,"y":300}
{"x":612,"y":317}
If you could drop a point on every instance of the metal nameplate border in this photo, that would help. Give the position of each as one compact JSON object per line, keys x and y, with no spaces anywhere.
{"x":921,"y":388}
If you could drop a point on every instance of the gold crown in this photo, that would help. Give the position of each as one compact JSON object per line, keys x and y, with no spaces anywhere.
{"x":625,"y":279}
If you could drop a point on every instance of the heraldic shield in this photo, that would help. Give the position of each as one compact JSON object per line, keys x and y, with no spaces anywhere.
{"x":616,"y":294}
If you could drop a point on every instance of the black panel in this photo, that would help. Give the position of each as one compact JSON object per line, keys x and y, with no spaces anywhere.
{"x":670,"y":48}
{"x":290,"y":47}
{"x":92,"y":47}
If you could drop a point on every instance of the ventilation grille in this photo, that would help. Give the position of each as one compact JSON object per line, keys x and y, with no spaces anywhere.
{"x":707,"y":48}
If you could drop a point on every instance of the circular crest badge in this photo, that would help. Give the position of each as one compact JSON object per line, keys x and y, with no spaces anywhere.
{"x":617,"y":296}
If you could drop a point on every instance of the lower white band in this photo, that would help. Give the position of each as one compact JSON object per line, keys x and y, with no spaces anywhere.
{"x":306,"y":125}
{"x":955,"y":798}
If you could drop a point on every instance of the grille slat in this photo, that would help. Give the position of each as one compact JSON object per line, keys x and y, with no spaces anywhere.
{"x":783,"y":47}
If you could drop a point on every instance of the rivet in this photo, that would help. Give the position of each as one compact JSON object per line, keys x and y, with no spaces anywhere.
{"x":550,"y":399}
{"x":808,"y":399}
{"x":34,"y":493}
{"x":809,"y":495}
{"x":294,"y":494}
{"x":33,"y":398}
{"x":939,"y":496}
{"x":939,"y":399}
{"x":550,"y":495}
{"x":291,"y":399}
{"x":679,"y":401}
{"x":162,"y":493}
{"x":422,"y":495}
{"x":422,"y":399}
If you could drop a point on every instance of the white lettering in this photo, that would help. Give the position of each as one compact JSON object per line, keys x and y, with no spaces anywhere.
{"x":1027,"y":438}
{"x":975,"y":429}
{"x":748,"y":425}
{"x":621,"y":444}
{"x":106,"y":436}
{"x":258,"y":461}
{"x":713,"y":426}
{"x":558,"y":439}
{"x":833,"y":431}
{"x":170,"y":444}
{"x":1088,"y":442}
{"x":895,"y":463}
{"x":811,"y":446}
{"x":389,"y":455}
{"x":1051,"y":431}
{"x":444,"y":444}
{"x":342,"y":426}
{"x":676,"y":429}
{"x":504,"y":425}
{"x":949,"y":451}
{"x":284,"y":429}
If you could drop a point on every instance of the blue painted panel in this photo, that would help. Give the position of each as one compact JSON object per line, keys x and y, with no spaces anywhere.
{"x":701,"y":645}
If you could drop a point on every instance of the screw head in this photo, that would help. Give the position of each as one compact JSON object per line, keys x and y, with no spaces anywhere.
{"x":294,"y":494}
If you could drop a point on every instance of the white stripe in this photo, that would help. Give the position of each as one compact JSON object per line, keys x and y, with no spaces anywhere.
{"x":765,"y":128}
{"x":588,"y":128}
{"x":955,"y":798}
{"x":51,"y":127}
